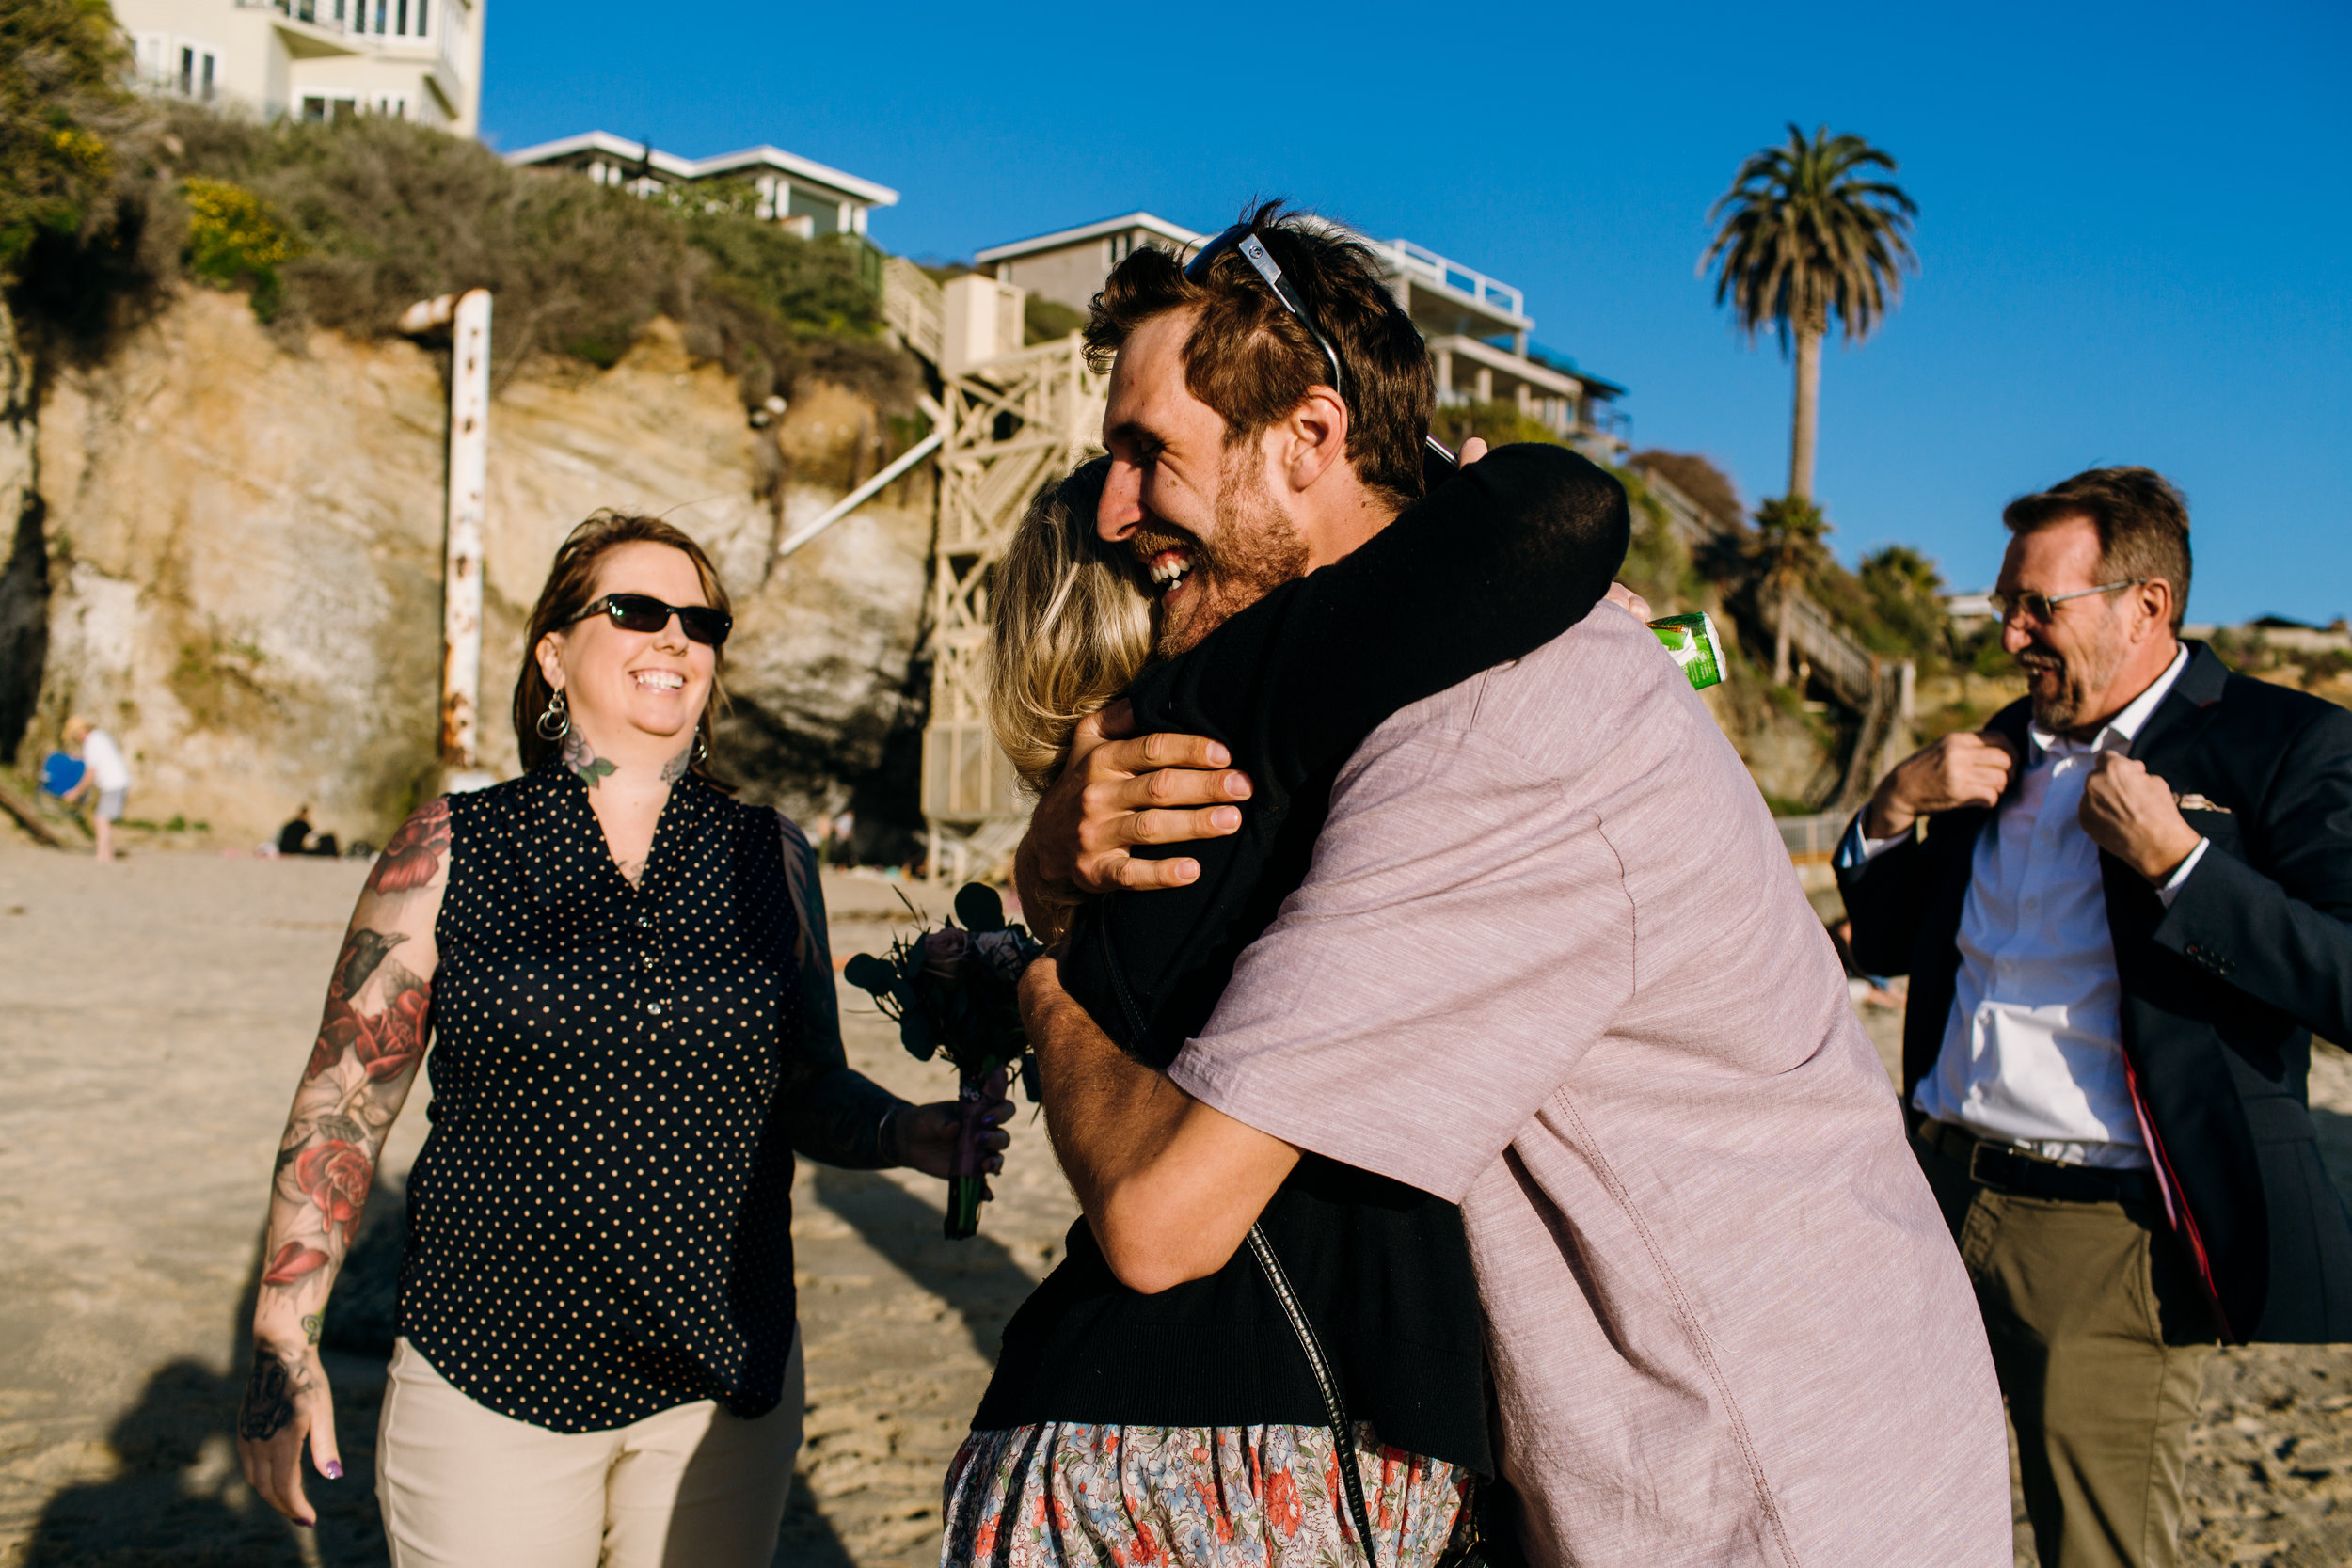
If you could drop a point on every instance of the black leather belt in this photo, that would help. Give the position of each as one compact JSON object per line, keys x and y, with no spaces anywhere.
{"x":2012,"y":1170}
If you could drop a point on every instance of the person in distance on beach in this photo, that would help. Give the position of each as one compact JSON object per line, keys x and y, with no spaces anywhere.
{"x":106,"y":778}
{"x":2124,"y":905}
{"x":1547,"y":960}
{"x":626,"y":974}
{"x":1128,"y":1420}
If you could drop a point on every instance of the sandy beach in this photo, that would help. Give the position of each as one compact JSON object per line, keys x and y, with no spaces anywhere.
{"x":153,"y":1016}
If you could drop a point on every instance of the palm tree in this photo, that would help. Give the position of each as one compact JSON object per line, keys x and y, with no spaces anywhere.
{"x":1806,"y":235}
{"x":1788,"y":549}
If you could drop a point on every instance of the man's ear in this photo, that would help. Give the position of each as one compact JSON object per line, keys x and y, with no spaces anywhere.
{"x":2156,"y":603}
{"x":1314,"y":437}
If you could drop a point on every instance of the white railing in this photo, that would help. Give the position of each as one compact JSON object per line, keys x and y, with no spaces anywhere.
{"x":913,"y":307}
{"x":373,"y":19}
{"x":1424,"y":263}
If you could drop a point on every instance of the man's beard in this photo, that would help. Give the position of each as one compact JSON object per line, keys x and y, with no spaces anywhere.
{"x":2063,"y":688}
{"x":1258,"y":549}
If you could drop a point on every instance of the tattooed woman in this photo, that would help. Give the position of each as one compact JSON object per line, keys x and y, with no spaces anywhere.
{"x":627,"y":977}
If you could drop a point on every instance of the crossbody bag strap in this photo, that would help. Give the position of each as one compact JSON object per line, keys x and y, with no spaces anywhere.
{"x":1334,"y":1410}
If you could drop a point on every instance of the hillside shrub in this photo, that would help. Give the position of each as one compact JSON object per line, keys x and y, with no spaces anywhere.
{"x":61,"y":62}
{"x":1044,"y":321}
{"x":1499,"y":422}
{"x":1701,"y":480}
{"x":236,"y":241}
{"x":346,"y":224}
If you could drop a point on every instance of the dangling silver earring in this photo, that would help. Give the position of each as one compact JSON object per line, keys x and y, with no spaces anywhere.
{"x":702,"y":748}
{"x":556,"y":722}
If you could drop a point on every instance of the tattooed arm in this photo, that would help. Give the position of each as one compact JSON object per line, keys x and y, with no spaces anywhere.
{"x":372,"y":1036}
{"x":838,"y":1115}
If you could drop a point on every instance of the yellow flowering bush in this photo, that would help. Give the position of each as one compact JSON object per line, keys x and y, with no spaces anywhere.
{"x":233,"y":238}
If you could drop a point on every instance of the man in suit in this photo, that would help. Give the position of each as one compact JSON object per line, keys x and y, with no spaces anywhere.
{"x":2124,"y":905}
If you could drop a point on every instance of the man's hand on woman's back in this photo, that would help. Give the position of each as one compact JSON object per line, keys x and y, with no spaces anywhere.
{"x":1121,"y":790}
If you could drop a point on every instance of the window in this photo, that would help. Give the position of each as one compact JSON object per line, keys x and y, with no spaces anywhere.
{"x":209,"y":63}
{"x":187,"y":70}
{"x":1122,"y":246}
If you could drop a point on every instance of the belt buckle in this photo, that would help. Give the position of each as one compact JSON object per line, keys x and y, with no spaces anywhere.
{"x":1975,"y":1153}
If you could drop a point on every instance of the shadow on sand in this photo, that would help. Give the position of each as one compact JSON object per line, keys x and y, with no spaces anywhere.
{"x":178,"y":1499}
{"x":178,"y":1496}
{"x":976,"y":1276}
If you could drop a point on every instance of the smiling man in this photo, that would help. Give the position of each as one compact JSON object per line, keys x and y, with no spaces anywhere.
{"x":1543,"y":960}
{"x":2122,"y":905}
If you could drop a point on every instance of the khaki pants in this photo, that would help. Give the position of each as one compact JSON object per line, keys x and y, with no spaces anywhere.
{"x":463,"y":1486}
{"x":2100,"y":1334}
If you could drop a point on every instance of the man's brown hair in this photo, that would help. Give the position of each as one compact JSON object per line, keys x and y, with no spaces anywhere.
{"x":1253,"y":361}
{"x":2142,"y":521}
{"x":571,"y":587}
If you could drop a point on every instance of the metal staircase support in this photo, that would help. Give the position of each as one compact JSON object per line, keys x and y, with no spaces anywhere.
{"x":1012,"y":425}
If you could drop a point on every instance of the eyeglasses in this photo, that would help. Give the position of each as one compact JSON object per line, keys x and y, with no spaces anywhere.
{"x":1439,"y":462}
{"x":644,"y":613}
{"x":2043,"y":607}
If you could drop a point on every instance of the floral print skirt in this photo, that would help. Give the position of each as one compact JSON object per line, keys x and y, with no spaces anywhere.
{"x":1137,"y":1497}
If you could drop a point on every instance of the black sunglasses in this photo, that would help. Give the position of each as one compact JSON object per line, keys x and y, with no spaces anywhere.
{"x":1438,"y":460}
{"x":644,"y":613}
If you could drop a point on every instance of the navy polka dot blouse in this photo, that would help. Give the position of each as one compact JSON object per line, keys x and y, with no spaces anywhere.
{"x":600,"y":1221}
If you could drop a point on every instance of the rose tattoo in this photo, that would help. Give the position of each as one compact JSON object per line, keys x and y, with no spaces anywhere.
{"x":414,"y":855}
{"x":335,"y":1175}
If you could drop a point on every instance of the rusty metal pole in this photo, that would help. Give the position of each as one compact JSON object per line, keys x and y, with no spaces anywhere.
{"x":468,"y":481}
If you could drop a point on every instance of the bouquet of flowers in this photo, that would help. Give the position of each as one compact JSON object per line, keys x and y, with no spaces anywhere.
{"x":954,"y":994}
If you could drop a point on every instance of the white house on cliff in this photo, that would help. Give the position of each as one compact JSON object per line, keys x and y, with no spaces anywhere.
{"x":1477,"y":327}
{"x":315,"y":60}
{"x":804,"y":196}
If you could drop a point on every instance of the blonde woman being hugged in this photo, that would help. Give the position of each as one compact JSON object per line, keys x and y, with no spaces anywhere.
{"x":627,"y":977}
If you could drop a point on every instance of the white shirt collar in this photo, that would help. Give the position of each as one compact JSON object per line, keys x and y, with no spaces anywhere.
{"x":2121,"y":730}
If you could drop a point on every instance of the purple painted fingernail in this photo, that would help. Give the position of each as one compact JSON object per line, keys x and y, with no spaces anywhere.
{"x":334,"y":1469}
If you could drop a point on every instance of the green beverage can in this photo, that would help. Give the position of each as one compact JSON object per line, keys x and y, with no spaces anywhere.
{"x":1691,"y":639}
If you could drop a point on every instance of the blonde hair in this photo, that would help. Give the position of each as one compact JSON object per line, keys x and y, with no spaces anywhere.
{"x":1071,"y":626}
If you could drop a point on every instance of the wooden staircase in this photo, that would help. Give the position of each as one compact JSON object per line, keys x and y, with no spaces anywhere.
{"x":1878,"y":692}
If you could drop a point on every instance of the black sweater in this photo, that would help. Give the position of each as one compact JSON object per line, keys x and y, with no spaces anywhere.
{"x":1488,"y":568}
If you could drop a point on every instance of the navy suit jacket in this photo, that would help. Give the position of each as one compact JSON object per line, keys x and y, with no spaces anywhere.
{"x":2222,"y":992}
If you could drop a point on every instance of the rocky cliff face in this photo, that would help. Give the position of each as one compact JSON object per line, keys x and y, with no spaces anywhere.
{"x":243,"y":558}
{"x":24,"y":552}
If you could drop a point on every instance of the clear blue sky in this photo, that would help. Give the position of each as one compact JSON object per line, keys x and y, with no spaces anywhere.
{"x":2136,"y":220}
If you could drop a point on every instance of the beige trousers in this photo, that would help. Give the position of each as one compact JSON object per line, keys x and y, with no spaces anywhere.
{"x":463,"y":1486}
{"x":2100,"y":1335}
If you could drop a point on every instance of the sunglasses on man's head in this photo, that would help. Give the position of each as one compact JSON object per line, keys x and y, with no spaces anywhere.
{"x":644,"y":613}
{"x":1439,"y":463}
{"x":1244,"y":239}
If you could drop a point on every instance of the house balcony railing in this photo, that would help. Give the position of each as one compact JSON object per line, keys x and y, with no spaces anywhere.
{"x":1420,"y":262}
{"x":381,"y":21}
